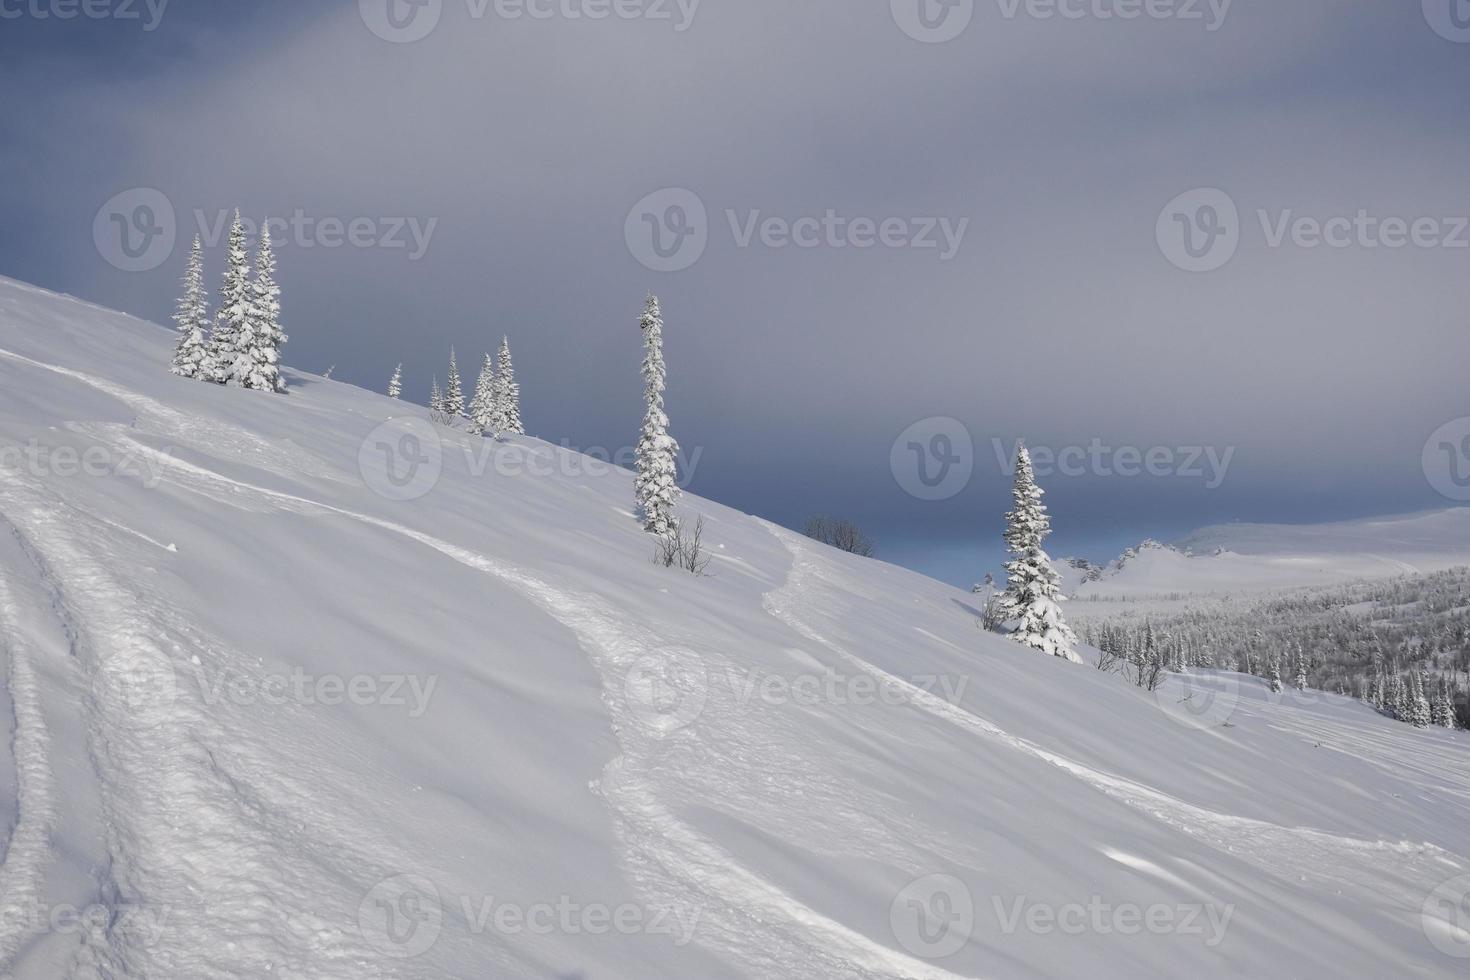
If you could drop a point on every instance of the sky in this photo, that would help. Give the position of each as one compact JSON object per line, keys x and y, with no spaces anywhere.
{"x":1207,"y":257}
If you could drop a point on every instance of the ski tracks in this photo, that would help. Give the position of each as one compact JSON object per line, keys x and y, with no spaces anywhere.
{"x":1398,"y":871}
{"x":669,"y":858}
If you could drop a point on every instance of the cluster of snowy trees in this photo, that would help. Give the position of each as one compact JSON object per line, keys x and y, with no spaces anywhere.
{"x":1376,"y":640}
{"x":495,"y":406}
{"x":243,"y":345}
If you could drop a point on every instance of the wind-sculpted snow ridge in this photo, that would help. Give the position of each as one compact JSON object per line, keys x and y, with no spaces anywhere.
{"x":568,"y":761}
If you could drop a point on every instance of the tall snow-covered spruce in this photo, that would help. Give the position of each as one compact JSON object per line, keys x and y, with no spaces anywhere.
{"x":507,"y":394}
{"x":453,"y":390}
{"x":258,"y":340}
{"x":482,"y":406}
{"x":234,"y":305}
{"x":657,"y":482}
{"x":395,"y":383}
{"x":191,"y":356}
{"x":1033,"y":596}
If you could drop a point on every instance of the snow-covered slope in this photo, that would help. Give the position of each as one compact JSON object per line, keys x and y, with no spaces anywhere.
{"x":1249,"y":557}
{"x":268,"y":721}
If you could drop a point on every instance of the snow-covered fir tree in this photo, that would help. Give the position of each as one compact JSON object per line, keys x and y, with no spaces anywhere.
{"x":259,"y":338}
{"x":657,"y":483}
{"x":234,"y":305}
{"x":191,"y":356}
{"x":1273,"y":673}
{"x":1420,"y":714}
{"x":1301,"y":671}
{"x":1033,"y":596}
{"x":482,"y":406}
{"x":395,"y":383}
{"x":1444,"y":707}
{"x":453,"y":404}
{"x":436,"y":397}
{"x":508,"y":394}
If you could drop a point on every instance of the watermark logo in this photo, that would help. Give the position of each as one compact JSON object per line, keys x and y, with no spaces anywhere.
{"x":933,"y":917}
{"x":144,"y":925}
{"x":1199,"y":700}
{"x":933,"y":459}
{"x":667,"y":691}
{"x":668,"y":230}
{"x":143,"y":679}
{"x":1207,"y":464}
{"x":402,"y":916}
{"x":1101,"y":917}
{"x":1446,"y":460}
{"x":1211,"y":13}
{"x":1450,"y":19}
{"x":1199,"y":231}
{"x":1445,"y":918}
{"x":135,"y":230}
{"x":401,"y":21}
{"x":401,"y":459}
{"x":408,"y":693}
{"x":933,"y":21}
{"x":406,"y":21}
{"x":150,"y":12}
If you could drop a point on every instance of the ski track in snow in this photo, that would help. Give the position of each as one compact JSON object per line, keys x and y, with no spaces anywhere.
{"x":1400,"y":871}
{"x":220,"y":439}
{"x":670,"y":858}
{"x":25,"y":856}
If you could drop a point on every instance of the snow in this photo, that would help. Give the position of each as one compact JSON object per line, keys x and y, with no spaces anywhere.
{"x":802,"y":764}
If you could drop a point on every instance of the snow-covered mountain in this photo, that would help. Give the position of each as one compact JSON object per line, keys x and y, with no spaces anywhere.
{"x":301,"y":687}
{"x":1254,"y":557}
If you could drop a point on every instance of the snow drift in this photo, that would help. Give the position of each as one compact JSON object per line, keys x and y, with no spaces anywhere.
{"x":299,"y":687}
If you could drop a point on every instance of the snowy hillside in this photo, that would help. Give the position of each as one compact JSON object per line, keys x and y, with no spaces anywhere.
{"x":1250,"y":557}
{"x":268,"y":718}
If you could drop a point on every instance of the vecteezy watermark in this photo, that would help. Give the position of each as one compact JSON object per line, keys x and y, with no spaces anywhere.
{"x":669,"y":230}
{"x":933,"y":916}
{"x":1445,"y":918}
{"x":1450,"y":19}
{"x":409,"y":693}
{"x":403,"y":916}
{"x":1210,"y":13}
{"x":148,"y":12}
{"x":303,"y":230}
{"x":517,"y":459}
{"x":1100,"y":917}
{"x":1200,"y":230}
{"x":144,"y":925}
{"x":1206,"y":463}
{"x":406,"y":21}
{"x":1199,"y":700}
{"x":750,"y":685}
{"x":1446,"y":460}
{"x":667,"y":690}
{"x":137,"y":230}
{"x":401,"y":459}
{"x":933,"y":21}
{"x":937,"y":21}
{"x":95,"y":462}
{"x":933,"y":459}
